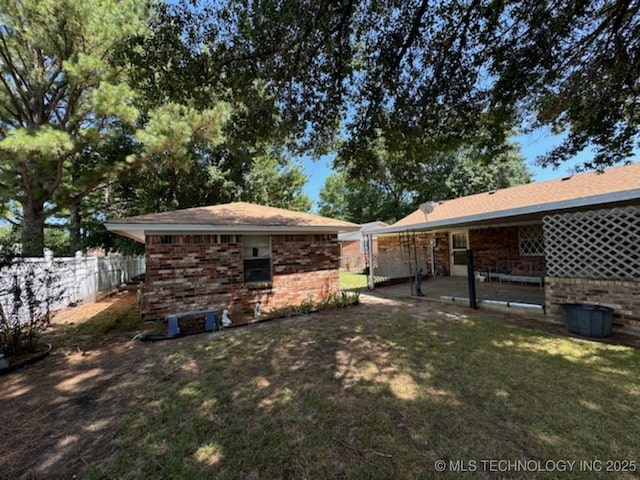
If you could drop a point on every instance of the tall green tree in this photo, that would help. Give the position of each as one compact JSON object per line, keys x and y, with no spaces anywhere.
{"x":58,"y":93}
{"x":71,"y":118}
{"x":466,"y":175}
{"x":276,"y":181}
{"x":268,"y":178}
{"x":333,"y":197}
{"x":362,"y":201}
{"x":170,"y":141}
{"x":205,"y":177}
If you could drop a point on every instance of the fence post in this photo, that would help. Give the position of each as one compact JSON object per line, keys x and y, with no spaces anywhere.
{"x":46,"y":271}
{"x":96,"y":276}
{"x":78,"y":281}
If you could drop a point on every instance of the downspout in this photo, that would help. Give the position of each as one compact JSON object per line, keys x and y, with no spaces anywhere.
{"x":371,"y":280}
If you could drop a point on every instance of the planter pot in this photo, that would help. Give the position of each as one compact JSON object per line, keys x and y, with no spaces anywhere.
{"x":587,"y":320}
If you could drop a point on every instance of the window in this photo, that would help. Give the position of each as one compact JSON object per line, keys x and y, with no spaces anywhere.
{"x":531,"y":240}
{"x":257,"y":258}
{"x":227,"y":239}
{"x":459,"y":241}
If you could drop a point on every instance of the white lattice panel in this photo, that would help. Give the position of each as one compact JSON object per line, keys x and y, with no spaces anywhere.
{"x":531,"y":240}
{"x":392,"y":264}
{"x":398,"y":263}
{"x":598,"y":244}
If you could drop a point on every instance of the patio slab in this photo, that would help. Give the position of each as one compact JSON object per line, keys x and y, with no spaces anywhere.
{"x":441,"y":288}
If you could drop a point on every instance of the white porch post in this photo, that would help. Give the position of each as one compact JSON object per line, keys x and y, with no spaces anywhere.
{"x":370,"y":260}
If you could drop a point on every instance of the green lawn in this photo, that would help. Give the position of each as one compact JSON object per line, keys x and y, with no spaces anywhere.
{"x":350,"y":281}
{"x":364,"y":394}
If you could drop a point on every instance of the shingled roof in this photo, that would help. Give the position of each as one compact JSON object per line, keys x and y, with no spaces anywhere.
{"x":239,"y":217}
{"x":586,"y":190}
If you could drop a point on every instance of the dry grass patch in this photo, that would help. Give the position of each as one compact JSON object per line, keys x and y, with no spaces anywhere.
{"x":366,"y":397}
{"x":363,"y":393}
{"x":91,"y":325}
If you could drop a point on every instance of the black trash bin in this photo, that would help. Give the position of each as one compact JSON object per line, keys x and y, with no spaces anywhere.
{"x":588,"y":320}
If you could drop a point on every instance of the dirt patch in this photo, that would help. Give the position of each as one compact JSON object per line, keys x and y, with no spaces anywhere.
{"x":122,"y":301}
{"x":62,"y":414}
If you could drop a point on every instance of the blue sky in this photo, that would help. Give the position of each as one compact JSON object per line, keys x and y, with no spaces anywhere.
{"x":532,"y":145}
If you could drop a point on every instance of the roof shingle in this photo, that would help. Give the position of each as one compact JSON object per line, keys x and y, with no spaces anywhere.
{"x":239,"y":214}
{"x":611,"y":180}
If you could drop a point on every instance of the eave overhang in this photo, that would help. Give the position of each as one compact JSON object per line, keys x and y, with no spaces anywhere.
{"x":511,"y":216}
{"x":139,"y":231}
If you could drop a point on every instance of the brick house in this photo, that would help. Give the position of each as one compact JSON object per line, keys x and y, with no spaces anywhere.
{"x":578,"y":237}
{"x":354,"y":248}
{"x":234,"y":255}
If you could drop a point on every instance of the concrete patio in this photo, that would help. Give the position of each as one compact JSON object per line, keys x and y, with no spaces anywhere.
{"x":523,"y":298}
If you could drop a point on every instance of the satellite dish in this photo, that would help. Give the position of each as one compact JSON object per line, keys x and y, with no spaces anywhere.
{"x":426,"y":208}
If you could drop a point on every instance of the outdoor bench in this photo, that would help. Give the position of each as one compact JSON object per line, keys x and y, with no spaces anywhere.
{"x":507,"y":277}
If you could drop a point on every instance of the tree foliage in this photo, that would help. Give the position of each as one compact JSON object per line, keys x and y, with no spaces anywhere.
{"x":171,"y":65}
{"x":268,"y":178}
{"x":206,"y":177}
{"x":361,"y":202}
{"x":128,"y":101}
{"x":387,"y":192}
{"x":71,"y":118}
{"x":58,"y":94}
{"x":276,"y":181}
{"x":434,"y":75}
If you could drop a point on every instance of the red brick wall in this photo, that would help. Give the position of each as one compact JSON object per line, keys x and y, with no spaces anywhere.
{"x":494,"y":249}
{"x":442,"y":251}
{"x":195,"y":272}
{"x":497,"y":249}
{"x":623,"y":297}
{"x":352,"y":258}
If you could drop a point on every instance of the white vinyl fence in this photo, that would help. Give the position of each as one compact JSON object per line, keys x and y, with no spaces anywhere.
{"x":54,"y":283}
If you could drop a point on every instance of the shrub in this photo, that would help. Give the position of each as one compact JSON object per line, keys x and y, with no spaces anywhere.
{"x":329,"y":300}
{"x":340,"y":299}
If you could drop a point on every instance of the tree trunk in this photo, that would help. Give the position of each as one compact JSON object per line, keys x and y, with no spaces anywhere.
{"x":75,"y":218}
{"x":33,"y":229}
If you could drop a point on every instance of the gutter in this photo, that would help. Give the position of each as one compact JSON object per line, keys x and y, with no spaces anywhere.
{"x":138,"y":231}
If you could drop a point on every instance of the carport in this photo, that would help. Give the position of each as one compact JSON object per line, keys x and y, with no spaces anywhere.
{"x":569,"y":240}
